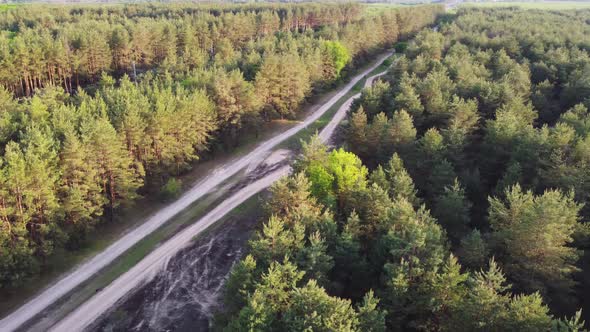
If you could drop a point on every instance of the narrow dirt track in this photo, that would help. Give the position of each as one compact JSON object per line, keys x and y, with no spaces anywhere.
{"x":76,"y":320}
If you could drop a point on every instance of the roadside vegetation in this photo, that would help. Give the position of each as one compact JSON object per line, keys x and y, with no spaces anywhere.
{"x":459,"y":201}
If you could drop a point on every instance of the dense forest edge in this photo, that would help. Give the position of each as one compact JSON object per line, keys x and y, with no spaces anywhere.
{"x":100,"y":106}
{"x":458,"y":201}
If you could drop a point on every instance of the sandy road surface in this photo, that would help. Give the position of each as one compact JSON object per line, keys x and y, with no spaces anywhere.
{"x":151,"y":264}
{"x":219,"y":175}
{"x":329,"y":129}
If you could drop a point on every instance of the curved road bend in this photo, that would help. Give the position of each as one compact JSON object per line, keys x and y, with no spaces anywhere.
{"x":84,"y":271}
{"x":329,"y":129}
{"x":101,"y":302}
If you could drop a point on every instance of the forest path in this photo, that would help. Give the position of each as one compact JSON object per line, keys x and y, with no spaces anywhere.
{"x":147,"y":268}
{"x":222,"y":173}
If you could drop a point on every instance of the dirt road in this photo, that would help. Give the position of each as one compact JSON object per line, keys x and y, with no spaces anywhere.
{"x":150,"y":265}
{"x":84,"y":271}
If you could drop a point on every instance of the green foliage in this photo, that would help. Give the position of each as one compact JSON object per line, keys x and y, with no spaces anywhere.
{"x":171,"y":189}
{"x":400,"y":182}
{"x":82,"y":197}
{"x":573,"y":324}
{"x":235,"y":100}
{"x":337,"y":58}
{"x":452,"y":210}
{"x":282,"y":83}
{"x":375,"y":99}
{"x":371,"y":319}
{"x":384,"y":242}
{"x":96,"y":108}
{"x":314,"y":310}
{"x":429,"y":43}
{"x":534,"y":232}
{"x":401,"y":47}
{"x":347,"y":169}
{"x":407,"y":99}
{"x":491,"y":102}
{"x":474,"y":250}
{"x":486,"y":307}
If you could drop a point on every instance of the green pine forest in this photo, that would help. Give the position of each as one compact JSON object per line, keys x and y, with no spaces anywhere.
{"x":458,"y":200}
{"x":102,"y":105}
{"x":458,"y":197}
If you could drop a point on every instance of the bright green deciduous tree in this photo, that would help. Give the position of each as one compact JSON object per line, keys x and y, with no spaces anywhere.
{"x":336,"y":57}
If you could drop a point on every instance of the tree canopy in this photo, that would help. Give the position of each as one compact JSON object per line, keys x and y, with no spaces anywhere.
{"x":101,"y":105}
{"x":471,"y":213}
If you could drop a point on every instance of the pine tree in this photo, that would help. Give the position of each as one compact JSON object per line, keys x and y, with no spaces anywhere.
{"x":412,"y":250}
{"x":119,"y":177}
{"x":271,"y":297}
{"x":460,"y":128}
{"x":573,"y":324}
{"x":15,"y":183}
{"x":402,"y":133}
{"x":400,"y":182}
{"x":313,"y":152}
{"x":488,"y":307}
{"x":179,"y":128}
{"x":314,"y":260}
{"x":357,"y":133}
{"x":95,"y":54}
{"x":452,"y":211}
{"x":239,"y":285}
{"x":436,"y":92}
{"x":511,"y":177}
{"x":82,"y":196}
{"x":378,"y":139}
{"x":474,"y":250}
{"x":375,"y":99}
{"x":371,"y":318}
{"x":441,"y":176}
{"x":9,"y":123}
{"x":277,"y":241}
{"x":428,"y":43}
{"x":282,"y":83}
{"x":40,"y":193}
{"x":17,"y":261}
{"x":373,"y":206}
{"x":354,"y":274}
{"x":379,"y":178}
{"x":312,"y":309}
{"x":407,"y":99}
{"x":448,"y":290}
{"x":234,"y":100}
{"x":432,"y":146}
{"x":292,"y":194}
{"x":535,"y":233}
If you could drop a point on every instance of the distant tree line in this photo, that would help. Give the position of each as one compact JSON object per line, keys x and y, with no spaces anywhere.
{"x":81,"y":137}
{"x":72,"y":46}
{"x":463,"y":204}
